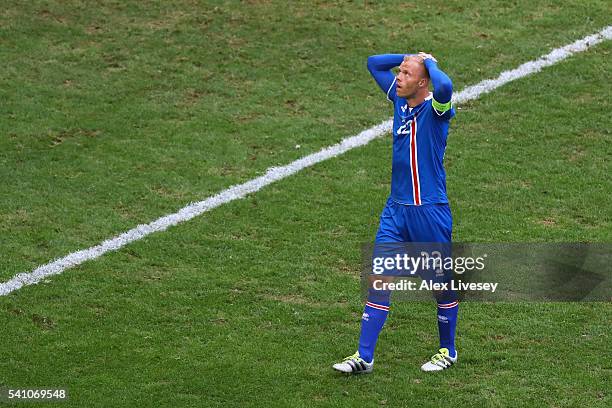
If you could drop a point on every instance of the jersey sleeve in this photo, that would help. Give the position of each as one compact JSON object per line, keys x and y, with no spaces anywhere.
{"x":380,"y":68}
{"x":442,"y":91}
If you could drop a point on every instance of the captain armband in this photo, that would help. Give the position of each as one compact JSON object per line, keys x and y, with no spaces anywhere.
{"x":441,"y":107}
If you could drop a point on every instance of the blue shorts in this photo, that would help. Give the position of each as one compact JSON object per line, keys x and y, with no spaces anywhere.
{"x":428,"y":223}
{"x":415,"y":223}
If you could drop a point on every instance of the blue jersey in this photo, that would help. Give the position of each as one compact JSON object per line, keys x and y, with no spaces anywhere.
{"x":419,"y":141}
{"x":419,"y":135}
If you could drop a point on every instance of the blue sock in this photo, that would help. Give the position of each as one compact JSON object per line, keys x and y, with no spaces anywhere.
{"x":372,"y":322}
{"x":447,"y":324}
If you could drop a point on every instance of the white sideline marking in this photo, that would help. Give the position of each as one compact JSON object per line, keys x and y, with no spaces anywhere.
{"x":274,"y":174}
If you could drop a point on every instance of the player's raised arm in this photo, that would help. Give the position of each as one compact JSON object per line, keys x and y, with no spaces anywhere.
{"x":442,"y":85}
{"x":380,"y":67}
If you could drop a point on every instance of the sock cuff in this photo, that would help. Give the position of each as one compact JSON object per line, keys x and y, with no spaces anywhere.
{"x":448,"y":305}
{"x":378,"y":306}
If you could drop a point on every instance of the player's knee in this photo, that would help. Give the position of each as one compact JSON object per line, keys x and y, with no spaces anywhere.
{"x":445,"y":296}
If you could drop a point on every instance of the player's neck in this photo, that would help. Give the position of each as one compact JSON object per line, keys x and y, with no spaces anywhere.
{"x":417,"y":98}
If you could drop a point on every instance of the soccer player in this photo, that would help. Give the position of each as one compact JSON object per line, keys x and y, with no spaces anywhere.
{"x":417,"y":209}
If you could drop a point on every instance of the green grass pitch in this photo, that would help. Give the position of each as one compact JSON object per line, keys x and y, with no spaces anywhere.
{"x":117,"y":112}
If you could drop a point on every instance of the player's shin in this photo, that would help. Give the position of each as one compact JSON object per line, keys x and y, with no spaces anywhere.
{"x":448,"y":306}
{"x":372,"y":321}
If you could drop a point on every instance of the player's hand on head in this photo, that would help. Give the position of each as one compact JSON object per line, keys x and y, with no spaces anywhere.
{"x":425,"y":56}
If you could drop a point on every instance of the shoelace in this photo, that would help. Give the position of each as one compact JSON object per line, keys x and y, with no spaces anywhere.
{"x":353,"y":357}
{"x":439,"y":357}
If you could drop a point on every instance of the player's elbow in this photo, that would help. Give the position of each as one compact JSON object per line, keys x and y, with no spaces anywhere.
{"x":375,"y":63}
{"x":371,"y":64}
